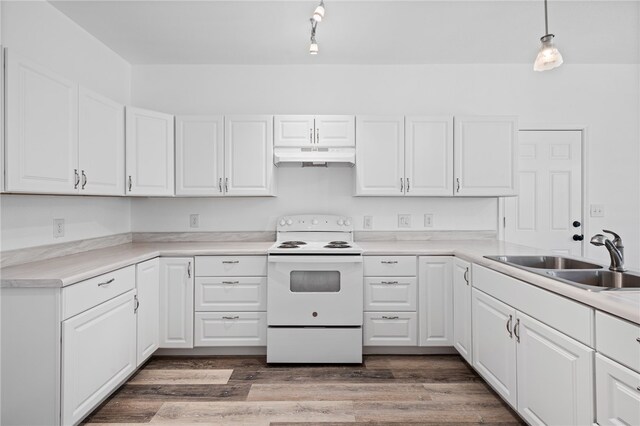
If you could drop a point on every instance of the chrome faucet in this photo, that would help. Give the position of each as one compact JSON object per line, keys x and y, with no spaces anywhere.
{"x":615,"y":248}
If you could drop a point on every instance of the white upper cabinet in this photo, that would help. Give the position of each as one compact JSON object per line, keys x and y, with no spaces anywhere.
{"x":248,"y":153}
{"x":101,"y":141}
{"x":41,"y":129}
{"x":380,"y":155}
{"x":485,"y":156}
{"x":309,"y":130}
{"x":429,"y":156}
{"x":149,"y":149}
{"x":200,"y":155}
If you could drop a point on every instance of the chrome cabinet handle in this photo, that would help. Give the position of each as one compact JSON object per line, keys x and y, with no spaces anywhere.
{"x":77,"y":179}
{"x":220,"y":184}
{"x":231,"y":261}
{"x":317,"y":135}
{"x":389,"y":282}
{"x":516,"y":330}
{"x":458,"y":184}
{"x":106,"y":282}
{"x":390,"y":318}
{"x":401,"y":185}
{"x":466,"y":275}
{"x":310,"y":135}
{"x":509,"y":327}
{"x":230,"y":282}
{"x":231,"y":318}
{"x":226,"y":184}
{"x":130,"y":183}
{"x":84,"y":179}
{"x":408,"y":185}
{"x":137,"y":305}
{"x":189,"y":270}
{"x":389,"y":262}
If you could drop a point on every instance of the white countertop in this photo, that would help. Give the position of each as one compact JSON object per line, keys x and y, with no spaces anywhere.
{"x":67,"y":270}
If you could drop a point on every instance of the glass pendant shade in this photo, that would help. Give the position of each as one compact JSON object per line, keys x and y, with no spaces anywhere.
{"x":318,"y":14}
{"x":313,"y":48}
{"x":549,"y":56}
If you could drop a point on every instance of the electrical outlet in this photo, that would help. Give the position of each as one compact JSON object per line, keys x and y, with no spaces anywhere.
{"x":367,"y":223}
{"x":58,"y":228}
{"x":194,"y":221}
{"x":428,"y":220}
{"x":404,"y":221}
{"x":597,"y":210}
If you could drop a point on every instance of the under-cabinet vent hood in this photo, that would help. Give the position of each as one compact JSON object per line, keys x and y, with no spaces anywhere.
{"x":318,"y":157}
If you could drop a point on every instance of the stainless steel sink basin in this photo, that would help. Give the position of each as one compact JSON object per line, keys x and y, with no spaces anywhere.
{"x":545,"y":262}
{"x":599,"y":280}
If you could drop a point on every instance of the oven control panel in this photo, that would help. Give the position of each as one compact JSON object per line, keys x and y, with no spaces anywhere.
{"x":309,"y":222}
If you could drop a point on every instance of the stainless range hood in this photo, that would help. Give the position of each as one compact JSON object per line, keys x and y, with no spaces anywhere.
{"x":314,"y":157}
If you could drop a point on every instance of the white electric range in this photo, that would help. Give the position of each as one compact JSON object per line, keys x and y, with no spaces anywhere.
{"x":314,"y":292}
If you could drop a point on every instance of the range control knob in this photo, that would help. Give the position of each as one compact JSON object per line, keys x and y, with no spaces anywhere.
{"x":283,"y":222}
{"x":289,"y":222}
{"x":347,"y":222}
{"x":314,"y":222}
{"x":340,"y":222}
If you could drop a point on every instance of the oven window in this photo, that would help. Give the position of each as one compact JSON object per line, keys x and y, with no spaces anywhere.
{"x":314,"y":281}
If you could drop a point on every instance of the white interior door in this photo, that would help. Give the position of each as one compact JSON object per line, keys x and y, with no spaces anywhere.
{"x":550,"y":195}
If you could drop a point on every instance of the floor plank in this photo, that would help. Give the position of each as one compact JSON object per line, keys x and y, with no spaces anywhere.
{"x":181,"y":377}
{"x":315,"y":375}
{"x":116,"y":410}
{"x":205,"y":362}
{"x":431,"y":411}
{"x":339,"y":392}
{"x":234,"y":392}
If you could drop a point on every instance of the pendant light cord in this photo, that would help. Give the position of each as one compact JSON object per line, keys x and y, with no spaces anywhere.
{"x":546,"y":19}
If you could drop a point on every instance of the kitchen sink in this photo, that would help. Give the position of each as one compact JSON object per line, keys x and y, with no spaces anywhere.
{"x":545,"y":262}
{"x":599,"y":279}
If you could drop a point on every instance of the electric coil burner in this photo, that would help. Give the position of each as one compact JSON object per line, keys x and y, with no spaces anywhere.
{"x":314,"y":292}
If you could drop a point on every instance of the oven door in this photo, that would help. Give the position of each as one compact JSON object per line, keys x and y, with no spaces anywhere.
{"x":312,"y":290}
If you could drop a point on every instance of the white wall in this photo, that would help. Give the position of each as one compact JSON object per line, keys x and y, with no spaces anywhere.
{"x":602,"y":97}
{"x":39,"y":31}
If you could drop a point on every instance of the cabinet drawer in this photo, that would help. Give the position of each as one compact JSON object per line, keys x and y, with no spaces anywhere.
{"x":618,"y":339}
{"x":230,"y":329}
{"x":228,"y":294}
{"x":390,"y":329}
{"x":617,"y":393}
{"x":389,"y":266}
{"x":390,"y":294}
{"x":231,"y":266}
{"x":79,"y":297}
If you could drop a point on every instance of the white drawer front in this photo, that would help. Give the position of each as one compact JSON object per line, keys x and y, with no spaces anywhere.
{"x":231,"y":266}
{"x":390,"y":294}
{"x":390,"y":329}
{"x":314,"y":345}
{"x":389,"y":266}
{"x":229,"y":294}
{"x":84,"y":295}
{"x":618,"y":339}
{"x":230,"y":329}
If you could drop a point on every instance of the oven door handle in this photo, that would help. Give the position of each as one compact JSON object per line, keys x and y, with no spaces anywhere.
{"x":315,"y":259}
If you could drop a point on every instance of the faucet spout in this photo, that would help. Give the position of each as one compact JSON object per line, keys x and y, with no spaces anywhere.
{"x":614,"y":248}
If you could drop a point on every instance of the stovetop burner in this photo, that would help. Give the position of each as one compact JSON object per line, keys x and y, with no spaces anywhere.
{"x":338,"y":243}
{"x":293,"y":243}
{"x":339,"y":246}
{"x":288,"y":246}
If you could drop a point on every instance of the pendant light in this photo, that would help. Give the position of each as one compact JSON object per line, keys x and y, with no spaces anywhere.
{"x":318,"y":14}
{"x":549,"y":56}
{"x":313,"y":48}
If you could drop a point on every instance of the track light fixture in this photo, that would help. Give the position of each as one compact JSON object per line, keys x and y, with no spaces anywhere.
{"x":549,"y":56}
{"x":317,"y":16}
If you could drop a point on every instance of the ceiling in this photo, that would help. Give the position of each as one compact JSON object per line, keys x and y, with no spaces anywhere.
{"x":359,"y":32}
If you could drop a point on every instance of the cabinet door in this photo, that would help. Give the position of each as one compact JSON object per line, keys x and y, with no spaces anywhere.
{"x":149,"y":152}
{"x":380,"y":155}
{"x":98,"y":353}
{"x":148,"y":312}
{"x":101,"y":144}
{"x":41,"y":129}
{"x":248,"y":152}
{"x":199,"y":155}
{"x":485,"y":156}
{"x":294,"y":130}
{"x":429,"y":156}
{"x":555,"y":376}
{"x":176,"y":302}
{"x":494,"y":346}
{"x":435,"y":301}
{"x":335,"y":130}
{"x":462,"y":308}
{"x":617,"y":393}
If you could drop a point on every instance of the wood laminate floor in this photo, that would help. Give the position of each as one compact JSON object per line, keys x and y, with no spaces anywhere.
{"x":242,"y":390}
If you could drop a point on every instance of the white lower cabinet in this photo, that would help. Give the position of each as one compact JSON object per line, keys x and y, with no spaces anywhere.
{"x":555,"y":375}
{"x":435,"y":301}
{"x":230,"y":329}
{"x":617,"y":393}
{"x":98,"y":352}
{"x":494,"y":349}
{"x":176,"y":302}
{"x":148,"y":308}
{"x":462,"y":308}
{"x":390,"y":329}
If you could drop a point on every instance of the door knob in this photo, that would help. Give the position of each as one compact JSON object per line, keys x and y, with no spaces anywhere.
{"x":576,"y":224}
{"x":577,"y":237}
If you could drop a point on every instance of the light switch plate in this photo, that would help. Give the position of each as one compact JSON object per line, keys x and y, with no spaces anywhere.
{"x":428,"y":220}
{"x":597,"y":210}
{"x":58,"y":228}
{"x":404,"y":221}
{"x":367,"y":223}
{"x":194,"y":221}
